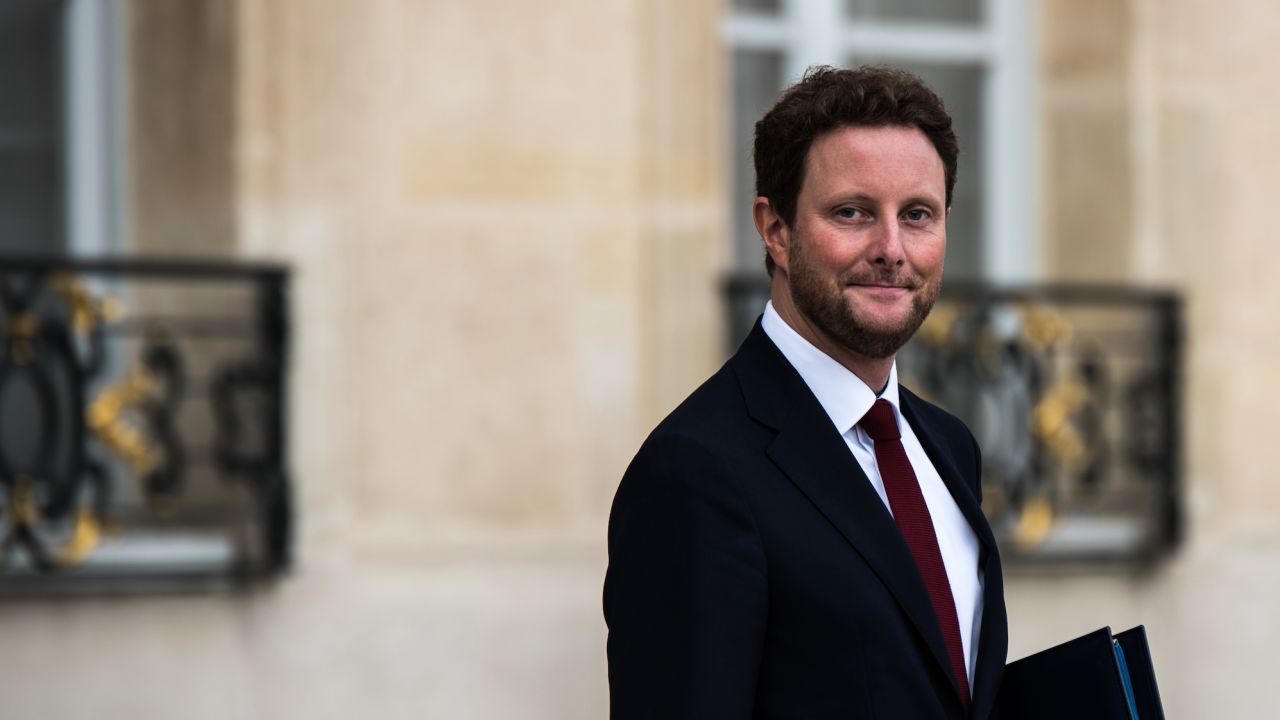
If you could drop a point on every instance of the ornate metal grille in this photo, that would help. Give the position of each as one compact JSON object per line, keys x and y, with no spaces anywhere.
{"x":142,"y":426}
{"x":1074,"y":395}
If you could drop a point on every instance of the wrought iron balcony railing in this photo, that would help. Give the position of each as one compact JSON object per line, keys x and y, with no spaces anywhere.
{"x":1074,"y":394}
{"x":142,"y":424}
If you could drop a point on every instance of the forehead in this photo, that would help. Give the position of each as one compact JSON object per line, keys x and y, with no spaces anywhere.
{"x":877,"y":160}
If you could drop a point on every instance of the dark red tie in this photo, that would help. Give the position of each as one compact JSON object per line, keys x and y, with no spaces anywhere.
{"x":912,"y":516}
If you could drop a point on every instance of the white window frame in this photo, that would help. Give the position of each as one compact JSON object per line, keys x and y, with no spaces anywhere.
{"x":818,"y":32}
{"x":94,"y":139}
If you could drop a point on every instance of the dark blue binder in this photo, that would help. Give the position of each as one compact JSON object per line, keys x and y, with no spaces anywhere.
{"x":1096,"y":676}
{"x":1142,"y":673}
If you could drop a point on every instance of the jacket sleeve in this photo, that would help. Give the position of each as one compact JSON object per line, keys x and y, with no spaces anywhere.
{"x":686,"y":592}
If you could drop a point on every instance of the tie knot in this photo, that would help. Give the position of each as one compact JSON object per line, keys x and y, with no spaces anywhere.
{"x":879,"y":422}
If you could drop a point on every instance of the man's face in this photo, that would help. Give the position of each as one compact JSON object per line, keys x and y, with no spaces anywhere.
{"x":865,"y":254}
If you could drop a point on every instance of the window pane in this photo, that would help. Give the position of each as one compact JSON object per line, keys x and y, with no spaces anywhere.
{"x":962,"y":11}
{"x":960,"y":87}
{"x":757,"y":81}
{"x":30,"y":188}
{"x":30,"y":108}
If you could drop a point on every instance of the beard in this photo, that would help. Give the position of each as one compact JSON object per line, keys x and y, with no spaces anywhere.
{"x":831,"y":311}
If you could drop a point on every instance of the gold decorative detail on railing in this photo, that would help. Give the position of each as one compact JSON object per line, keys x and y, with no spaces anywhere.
{"x":1051,"y":420}
{"x":87,"y":310}
{"x":937,"y":327}
{"x":106,"y":420}
{"x":1034,"y":523}
{"x":1043,"y":328}
{"x":22,"y":328}
{"x":23,"y":509}
{"x":85,"y":536}
{"x":24,"y":513}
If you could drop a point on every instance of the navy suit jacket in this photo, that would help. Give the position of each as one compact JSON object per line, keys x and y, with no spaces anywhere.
{"x":755,"y":573}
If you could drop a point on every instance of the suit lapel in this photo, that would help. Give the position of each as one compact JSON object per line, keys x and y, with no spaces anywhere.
{"x":809,"y":451}
{"x":993,"y":637}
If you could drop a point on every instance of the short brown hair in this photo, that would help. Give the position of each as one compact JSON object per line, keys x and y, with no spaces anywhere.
{"x":827,"y":99}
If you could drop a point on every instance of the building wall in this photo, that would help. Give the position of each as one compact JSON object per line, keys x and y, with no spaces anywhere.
{"x":180,"y":68}
{"x":505,"y":222}
{"x":1159,"y":154}
{"x":496,"y":218}
{"x":1087,"y":52}
{"x":505,"y":226}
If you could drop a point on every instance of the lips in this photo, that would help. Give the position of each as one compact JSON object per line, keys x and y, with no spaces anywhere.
{"x":881,"y":290}
{"x":881,"y":281}
{"x":880,"y":285}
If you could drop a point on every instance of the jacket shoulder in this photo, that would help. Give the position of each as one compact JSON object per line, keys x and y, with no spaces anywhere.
{"x":700,"y":442}
{"x":716,"y":402}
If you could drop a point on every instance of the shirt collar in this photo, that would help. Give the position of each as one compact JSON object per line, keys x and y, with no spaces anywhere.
{"x":843,"y":395}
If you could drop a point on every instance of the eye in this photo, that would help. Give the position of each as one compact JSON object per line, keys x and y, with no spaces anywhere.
{"x":916,"y":215}
{"x":848,"y":213}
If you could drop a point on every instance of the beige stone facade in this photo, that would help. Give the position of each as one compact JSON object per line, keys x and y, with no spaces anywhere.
{"x":1160,"y":146}
{"x":507,"y":226}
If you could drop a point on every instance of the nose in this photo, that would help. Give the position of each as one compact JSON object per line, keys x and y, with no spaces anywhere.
{"x":887,"y":250}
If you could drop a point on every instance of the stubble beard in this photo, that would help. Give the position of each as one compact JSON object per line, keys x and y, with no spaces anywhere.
{"x":830,"y":310}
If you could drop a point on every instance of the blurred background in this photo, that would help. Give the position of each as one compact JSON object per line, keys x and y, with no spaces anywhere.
{"x":463,"y":256}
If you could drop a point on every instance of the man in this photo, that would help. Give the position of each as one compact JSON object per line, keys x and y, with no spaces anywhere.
{"x":802,"y":537}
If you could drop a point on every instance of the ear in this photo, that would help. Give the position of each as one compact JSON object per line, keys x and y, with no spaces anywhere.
{"x":773,"y":230}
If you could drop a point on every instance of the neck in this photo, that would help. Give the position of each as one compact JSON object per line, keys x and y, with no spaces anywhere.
{"x":872,"y":371}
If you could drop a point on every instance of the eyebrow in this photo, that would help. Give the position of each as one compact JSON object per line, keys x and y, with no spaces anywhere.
{"x":927,"y":200}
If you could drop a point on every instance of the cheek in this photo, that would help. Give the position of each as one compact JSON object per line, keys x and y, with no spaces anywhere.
{"x":929,"y":258}
{"x":833,"y":251}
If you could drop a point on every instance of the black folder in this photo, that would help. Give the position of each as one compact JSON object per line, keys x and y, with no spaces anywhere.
{"x":1096,"y":676}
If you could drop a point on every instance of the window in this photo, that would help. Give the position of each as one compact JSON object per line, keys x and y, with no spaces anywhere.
{"x":975,"y":53}
{"x":31,"y":205}
{"x":59,"y":130}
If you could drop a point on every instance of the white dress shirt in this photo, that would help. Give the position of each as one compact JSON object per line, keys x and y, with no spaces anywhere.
{"x":846,"y":399}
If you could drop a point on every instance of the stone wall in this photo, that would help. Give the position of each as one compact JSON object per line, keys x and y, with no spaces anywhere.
{"x":180,"y":81}
{"x":1159,"y":169}
{"x":506,"y":222}
{"x":505,"y":226}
